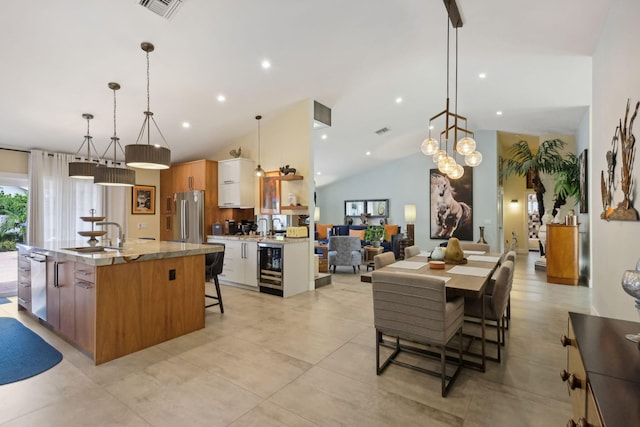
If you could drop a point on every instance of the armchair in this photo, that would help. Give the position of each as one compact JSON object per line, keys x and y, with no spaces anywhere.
{"x":345,"y":251}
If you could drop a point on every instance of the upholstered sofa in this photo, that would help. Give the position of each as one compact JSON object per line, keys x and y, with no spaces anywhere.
{"x":390,"y":243}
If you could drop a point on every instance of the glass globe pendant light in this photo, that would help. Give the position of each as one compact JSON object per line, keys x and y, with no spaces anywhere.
{"x":114,"y":176}
{"x":148,"y":156}
{"x":87,"y":169}
{"x":430,"y":146}
{"x":473,"y":159}
{"x":466,"y":146}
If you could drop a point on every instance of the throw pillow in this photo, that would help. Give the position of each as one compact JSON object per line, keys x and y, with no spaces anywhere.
{"x":322,"y":230}
{"x":357,"y":233}
{"x":389,"y":231}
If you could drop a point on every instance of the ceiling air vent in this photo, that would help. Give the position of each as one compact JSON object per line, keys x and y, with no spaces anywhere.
{"x":382,"y":131}
{"x":164,"y":8}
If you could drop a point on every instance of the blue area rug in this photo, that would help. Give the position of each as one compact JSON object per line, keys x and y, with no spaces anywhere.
{"x":4,"y":300}
{"x":23,"y":354}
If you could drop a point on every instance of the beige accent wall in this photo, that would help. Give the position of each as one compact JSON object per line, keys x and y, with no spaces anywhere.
{"x":14,"y":162}
{"x":515,"y":217}
{"x":150,"y":222}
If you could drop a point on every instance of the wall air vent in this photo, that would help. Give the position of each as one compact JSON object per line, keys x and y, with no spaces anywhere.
{"x":382,"y":131}
{"x":321,"y":115}
{"x":164,"y":8}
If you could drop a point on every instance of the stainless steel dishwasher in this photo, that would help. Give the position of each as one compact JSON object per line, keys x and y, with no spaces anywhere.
{"x":39,"y":285}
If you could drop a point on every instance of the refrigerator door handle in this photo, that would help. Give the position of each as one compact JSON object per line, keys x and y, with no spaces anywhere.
{"x":182,"y":217}
{"x":186,"y":219}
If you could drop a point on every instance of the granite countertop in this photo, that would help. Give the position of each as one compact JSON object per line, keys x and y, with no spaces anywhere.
{"x":260,"y":239}
{"x":134,"y":250}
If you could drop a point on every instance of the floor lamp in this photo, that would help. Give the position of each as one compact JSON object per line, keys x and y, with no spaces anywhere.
{"x":410,"y":218}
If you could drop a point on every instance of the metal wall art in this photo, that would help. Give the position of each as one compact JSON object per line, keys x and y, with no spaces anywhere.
{"x":624,"y":210}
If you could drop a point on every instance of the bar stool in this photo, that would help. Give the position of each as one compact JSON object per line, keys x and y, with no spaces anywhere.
{"x":213,"y":267}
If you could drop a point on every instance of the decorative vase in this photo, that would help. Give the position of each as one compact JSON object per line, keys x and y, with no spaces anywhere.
{"x":481,"y":239}
{"x":438,"y":253}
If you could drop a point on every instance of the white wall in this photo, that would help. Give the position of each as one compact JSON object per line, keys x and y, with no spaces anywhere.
{"x":615,"y":79}
{"x":584,"y":219}
{"x":406,"y":181}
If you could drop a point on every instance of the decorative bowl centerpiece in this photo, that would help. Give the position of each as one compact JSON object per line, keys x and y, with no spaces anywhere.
{"x":93,"y":233}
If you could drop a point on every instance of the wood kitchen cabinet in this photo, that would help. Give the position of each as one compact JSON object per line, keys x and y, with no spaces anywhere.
{"x":562,"y":254}
{"x":196,"y":175}
{"x":61,"y":296}
{"x":603,"y":371}
{"x":85,"y":307}
{"x":236,"y":183}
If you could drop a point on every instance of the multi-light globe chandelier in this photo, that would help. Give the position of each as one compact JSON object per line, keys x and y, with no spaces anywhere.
{"x":466,"y":146}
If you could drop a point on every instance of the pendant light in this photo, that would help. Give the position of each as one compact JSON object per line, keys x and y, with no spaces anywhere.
{"x":259,"y":171}
{"x":84,"y":170}
{"x":148,"y":156}
{"x":466,"y":146}
{"x":114,"y":176}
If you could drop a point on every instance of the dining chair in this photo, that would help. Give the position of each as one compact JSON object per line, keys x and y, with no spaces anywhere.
{"x":213,"y":267}
{"x":383,"y":259}
{"x":495,"y":307}
{"x":411,"y":251}
{"x":414,"y":308}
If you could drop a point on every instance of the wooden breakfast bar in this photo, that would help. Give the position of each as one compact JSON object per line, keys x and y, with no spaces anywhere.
{"x":112,"y":303}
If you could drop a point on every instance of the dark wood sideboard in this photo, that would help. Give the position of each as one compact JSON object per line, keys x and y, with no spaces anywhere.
{"x":603,"y":371}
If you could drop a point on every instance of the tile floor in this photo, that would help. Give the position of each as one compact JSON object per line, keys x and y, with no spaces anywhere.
{"x":308,"y":360}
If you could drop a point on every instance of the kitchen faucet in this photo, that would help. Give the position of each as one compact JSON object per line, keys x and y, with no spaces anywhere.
{"x":120,"y":233}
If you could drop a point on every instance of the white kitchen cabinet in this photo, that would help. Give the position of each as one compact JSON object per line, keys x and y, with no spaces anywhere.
{"x":240,"y":262}
{"x":236,"y":183}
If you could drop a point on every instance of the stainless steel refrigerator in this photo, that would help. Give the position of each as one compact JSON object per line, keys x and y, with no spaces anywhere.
{"x":188,"y":219}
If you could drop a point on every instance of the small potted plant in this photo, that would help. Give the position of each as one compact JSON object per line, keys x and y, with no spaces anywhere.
{"x":374,"y":234}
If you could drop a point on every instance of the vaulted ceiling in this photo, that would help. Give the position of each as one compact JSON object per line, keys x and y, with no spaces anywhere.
{"x":357,"y":57}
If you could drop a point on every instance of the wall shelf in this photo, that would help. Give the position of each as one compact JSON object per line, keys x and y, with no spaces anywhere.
{"x":289,"y":177}
{"x":294,"y":208}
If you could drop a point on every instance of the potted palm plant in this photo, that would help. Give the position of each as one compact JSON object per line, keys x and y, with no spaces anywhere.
{"x":548,"y":160}
{"x":374,"y":234}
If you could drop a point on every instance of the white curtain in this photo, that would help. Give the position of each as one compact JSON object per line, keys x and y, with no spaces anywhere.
{"x":56,"y":202}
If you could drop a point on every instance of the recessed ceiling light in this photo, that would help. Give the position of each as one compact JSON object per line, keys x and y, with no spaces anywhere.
{"x":482,"y":75}
{"x":498,"y":113}
{"x":221,"y":98}
{"x":318,"y":173}
{"x":186,"y":124}
{"x":324,"y":136}
{"x":399,"y":100}
{"x":266,"y":64}
{"x":368,"y":153}
{"x":431,"y":127}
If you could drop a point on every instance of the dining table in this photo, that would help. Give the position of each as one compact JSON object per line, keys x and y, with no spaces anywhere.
{"x":468,"y":279}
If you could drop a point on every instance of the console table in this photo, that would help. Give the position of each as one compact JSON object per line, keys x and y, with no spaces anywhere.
{"x":603,"y":371}
{"x":562,"y":254}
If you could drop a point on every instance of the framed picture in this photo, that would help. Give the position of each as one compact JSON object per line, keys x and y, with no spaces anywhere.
{"x":143,"y":200}
{"x":270,"y":193}
{"x":353,"y":207}
{"x":378,"y":207}
{"x":584,"y":182}
{"x":451,"y":205}
{"x":531,"y":174}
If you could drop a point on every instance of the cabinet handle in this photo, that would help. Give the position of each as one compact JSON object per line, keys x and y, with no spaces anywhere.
{"x":574,"y":382}
{"x":229,"y":181}
{"x":83,"y":285}
{"x":228,"y":203}
{"x":190,"y":183}
{"x":25,"y":285}
{"x":55,"y":274}
{"x":565,"y":340}
{"x":564,"y":375}
{"x":168,"y":223}
{"x":83,"y":273}
{"x":22,"y":301}
{"x":168,"y":205}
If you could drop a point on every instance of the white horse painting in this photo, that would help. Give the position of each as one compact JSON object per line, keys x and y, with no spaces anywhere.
{"x":447,"y":213}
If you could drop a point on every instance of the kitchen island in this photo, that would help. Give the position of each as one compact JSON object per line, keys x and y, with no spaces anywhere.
{"x":117,"y":301}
